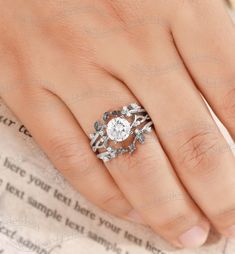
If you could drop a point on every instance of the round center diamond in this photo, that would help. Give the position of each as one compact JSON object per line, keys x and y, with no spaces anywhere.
{"x":118,"y":129}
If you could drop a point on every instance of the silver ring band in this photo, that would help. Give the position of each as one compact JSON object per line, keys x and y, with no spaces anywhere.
{"x":118,"y":127}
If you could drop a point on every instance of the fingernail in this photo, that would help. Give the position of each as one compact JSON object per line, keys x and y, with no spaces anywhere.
{"x":194,"y":237}
{"x":135,"y":217}
{"x":231,"y":231}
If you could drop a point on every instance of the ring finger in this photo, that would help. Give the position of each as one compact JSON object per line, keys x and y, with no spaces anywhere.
{"x":146,"y":178}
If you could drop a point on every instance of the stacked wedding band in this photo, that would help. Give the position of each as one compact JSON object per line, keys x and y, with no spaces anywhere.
{"x":119,"y":131}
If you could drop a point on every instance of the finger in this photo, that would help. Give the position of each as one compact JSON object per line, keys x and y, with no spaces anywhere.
{"x":186,"y":130}
{"x":55,"y":129}
{"x":205,"y":36}
{"x":145,"y":177}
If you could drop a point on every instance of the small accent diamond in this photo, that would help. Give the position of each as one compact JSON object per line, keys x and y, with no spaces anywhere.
{"x":140,"y":137}
{"x":132,"y":147}
{"x":98,"y":126}
{"x":105,"y":116}
{"x":91,"y":136}
{"x":135,"y":106}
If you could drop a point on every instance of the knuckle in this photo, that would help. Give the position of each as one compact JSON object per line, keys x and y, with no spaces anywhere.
{"x":112,"y":201}
{"x":68,"y":154}
{"x":224,"y":217}
{"x":146,"y":161}
{"x":143,"y":168}
{"x":186,"y":10}
{"x":198,"y":5}
{"x":196,"y":154}
{"x":165,"y":200}
{"x":196,"y":11}
{"x":176,"y":223}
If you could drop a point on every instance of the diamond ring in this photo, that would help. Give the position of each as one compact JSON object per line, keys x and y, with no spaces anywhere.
{"x":119,"y":131}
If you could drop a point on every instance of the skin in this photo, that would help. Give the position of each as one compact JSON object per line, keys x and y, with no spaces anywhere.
{"x":64,"y":63}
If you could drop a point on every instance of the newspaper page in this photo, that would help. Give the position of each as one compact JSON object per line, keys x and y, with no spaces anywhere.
{"x":40,"y":213}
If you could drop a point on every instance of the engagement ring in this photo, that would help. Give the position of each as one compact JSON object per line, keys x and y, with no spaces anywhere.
{"x":119,"y":131}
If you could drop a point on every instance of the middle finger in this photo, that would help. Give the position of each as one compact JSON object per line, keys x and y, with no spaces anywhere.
{"x":187,"y":131}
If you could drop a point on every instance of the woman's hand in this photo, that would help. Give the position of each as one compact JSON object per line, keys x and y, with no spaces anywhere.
{"x":64,"y":63}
